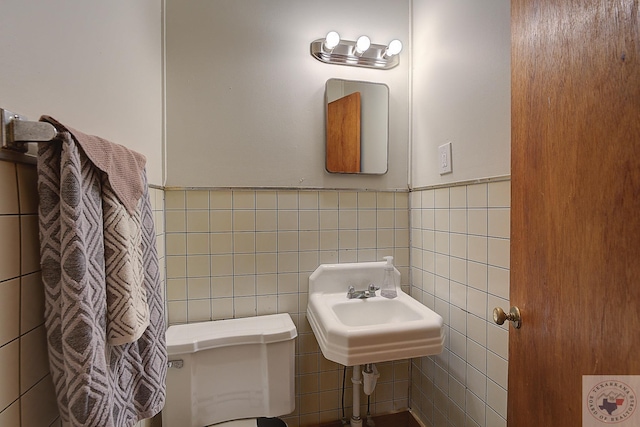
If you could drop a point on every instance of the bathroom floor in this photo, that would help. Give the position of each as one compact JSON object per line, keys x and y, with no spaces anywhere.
{"x":400,"y":419}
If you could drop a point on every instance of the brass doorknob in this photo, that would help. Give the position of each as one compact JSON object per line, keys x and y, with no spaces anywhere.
{"x":499,"y":316}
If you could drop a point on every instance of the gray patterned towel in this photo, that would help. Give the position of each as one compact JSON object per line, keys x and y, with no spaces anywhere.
{"x":122,"y":189}
{"x":97,"y":383}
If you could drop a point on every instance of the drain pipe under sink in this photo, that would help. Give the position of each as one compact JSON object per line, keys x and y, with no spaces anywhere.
{"x":356,"y":380}
{"x":370,"y":376}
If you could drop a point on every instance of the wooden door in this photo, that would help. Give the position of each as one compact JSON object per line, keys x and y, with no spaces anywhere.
{"x":575,"y":242}
{"x":343,"y":134}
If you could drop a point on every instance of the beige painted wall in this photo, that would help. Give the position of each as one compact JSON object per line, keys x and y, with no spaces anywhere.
{"x":257,"y":120}
{"x":96,"y":66}
{"x":245,"y":99}
{"x":461,"y":89}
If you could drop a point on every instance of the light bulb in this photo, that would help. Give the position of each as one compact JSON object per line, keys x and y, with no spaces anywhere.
{"x":332,"y":40}
{"x":394,"y":48}
{"x":362,"y":44}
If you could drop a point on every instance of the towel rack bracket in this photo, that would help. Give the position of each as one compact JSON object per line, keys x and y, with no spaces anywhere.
{"x":16,"y":131}
{"x":6,"y":131}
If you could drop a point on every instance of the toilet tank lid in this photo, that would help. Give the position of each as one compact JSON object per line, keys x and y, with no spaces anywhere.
{"x":193,"y":337}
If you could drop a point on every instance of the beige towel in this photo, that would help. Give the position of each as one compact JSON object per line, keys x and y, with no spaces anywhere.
{"x":127,"y":309}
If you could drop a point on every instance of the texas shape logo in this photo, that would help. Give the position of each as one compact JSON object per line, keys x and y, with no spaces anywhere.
{"x":611,"y":402}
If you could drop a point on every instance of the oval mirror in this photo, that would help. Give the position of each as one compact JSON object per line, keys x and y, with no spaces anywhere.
{"x":357,"y":126}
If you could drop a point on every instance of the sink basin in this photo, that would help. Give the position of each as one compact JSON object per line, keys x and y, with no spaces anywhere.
{"x":376,"y":329}
{"x":373,"y":311}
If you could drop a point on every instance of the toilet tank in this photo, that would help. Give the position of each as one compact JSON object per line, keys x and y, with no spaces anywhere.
{"x":230,"y":369}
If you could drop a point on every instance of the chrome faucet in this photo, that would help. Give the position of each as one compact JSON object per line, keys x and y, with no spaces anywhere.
{"x":368,"y":293}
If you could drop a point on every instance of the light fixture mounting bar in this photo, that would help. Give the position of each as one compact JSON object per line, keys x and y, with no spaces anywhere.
{"x":345,"y":54}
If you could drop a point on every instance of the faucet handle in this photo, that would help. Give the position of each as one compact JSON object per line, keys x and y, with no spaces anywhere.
{"x":351,"y":291}
{"x":373,"y":288}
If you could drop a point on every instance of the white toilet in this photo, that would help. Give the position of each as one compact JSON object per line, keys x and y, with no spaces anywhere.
{"x":232,"y":372}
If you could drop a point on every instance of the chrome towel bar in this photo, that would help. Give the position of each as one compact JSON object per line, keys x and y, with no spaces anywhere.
{"x":16,"y":131}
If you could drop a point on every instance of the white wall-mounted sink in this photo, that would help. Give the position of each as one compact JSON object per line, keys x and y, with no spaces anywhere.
{"x":376,"y":329}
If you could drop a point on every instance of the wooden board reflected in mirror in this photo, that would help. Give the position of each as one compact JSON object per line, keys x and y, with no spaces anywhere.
{"x":343,"y":134}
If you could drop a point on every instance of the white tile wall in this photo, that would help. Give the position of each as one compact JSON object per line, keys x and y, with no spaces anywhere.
{"x":246,"y":252}
{"x":460,"y":268}
{"x":239,"y":253}
{"x":263,"y":244}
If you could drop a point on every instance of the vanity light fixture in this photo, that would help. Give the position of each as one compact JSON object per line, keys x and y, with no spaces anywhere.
{"x":361,"y":53}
